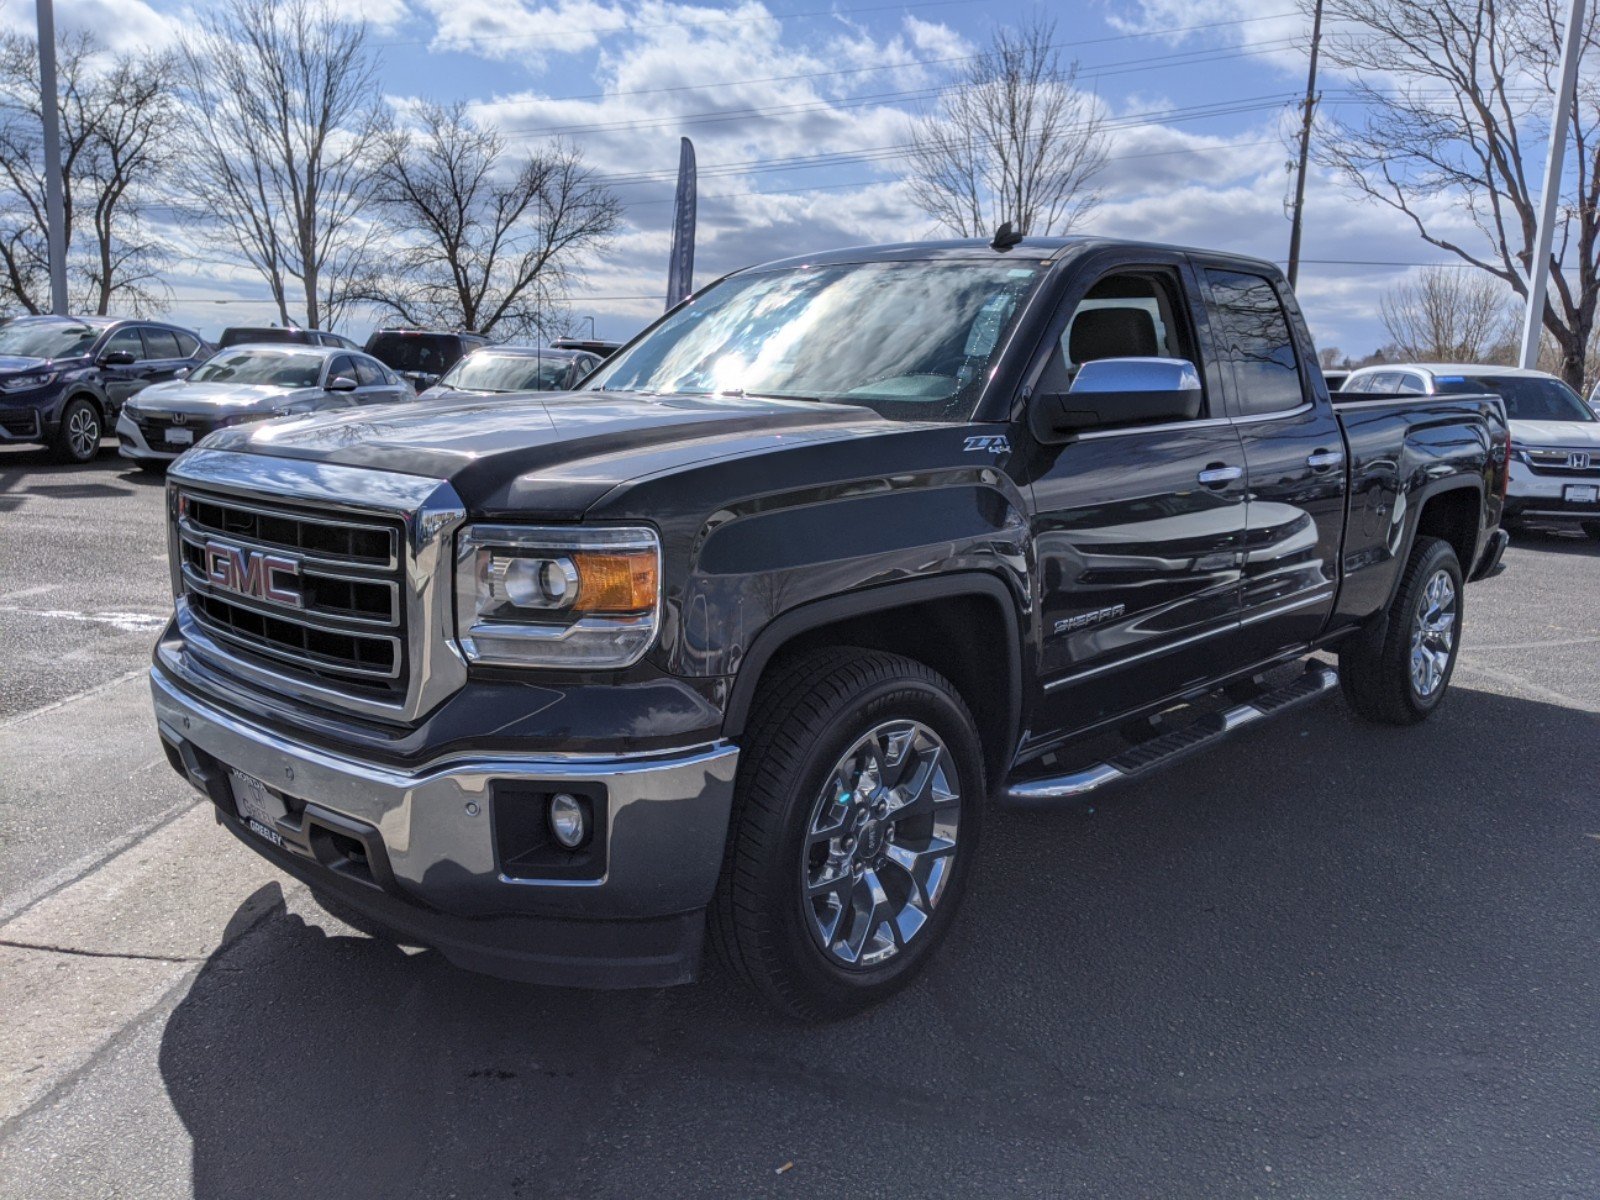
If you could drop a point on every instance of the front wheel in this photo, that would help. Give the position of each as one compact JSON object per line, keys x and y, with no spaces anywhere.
{"x":1401,"y":679}
{"x":78,"y":439}
{"x":855,"y":827}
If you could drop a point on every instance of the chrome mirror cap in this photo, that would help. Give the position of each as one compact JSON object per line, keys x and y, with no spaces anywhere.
{"x":1136,"y":375}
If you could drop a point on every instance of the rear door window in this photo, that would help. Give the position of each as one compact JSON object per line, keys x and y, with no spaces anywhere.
{"x":1254,"y":336}
{"x":160,"y":343}
{"x":368,"y":373}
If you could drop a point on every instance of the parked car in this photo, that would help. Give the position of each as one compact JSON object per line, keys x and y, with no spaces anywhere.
{"x":422,"y":355}
{"x":250,"y":383}
{"x":261,"y":335}
{"x":63,"y":380}
{"x":1555,"y":437}
{"x":500,"y":369}
{"x":737,"y":640}
{"x":601,"y":349}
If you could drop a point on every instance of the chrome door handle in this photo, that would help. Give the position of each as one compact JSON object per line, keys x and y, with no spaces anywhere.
{"x":1213,"y":476}
{"x":1325,"y":458}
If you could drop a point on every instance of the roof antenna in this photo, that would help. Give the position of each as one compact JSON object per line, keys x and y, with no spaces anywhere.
{"x":1005,"y":237}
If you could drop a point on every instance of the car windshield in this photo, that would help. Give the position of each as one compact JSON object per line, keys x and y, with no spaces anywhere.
{"x":912,"y":340}
{"x":1527,"y":397}
{"x":50,"y":339}
{"x":425,"y":353}
{"x":268,"y":368}
{"x":484,"y":372}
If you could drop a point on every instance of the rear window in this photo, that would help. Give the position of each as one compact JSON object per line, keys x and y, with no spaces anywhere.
{"x":425,"y":353}
{"x":236,"y":337}
{"x":1527,"y":397}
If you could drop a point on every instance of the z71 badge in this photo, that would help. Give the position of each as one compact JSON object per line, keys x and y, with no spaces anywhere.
{"x":1093,"y":617}
{"x":994,"y":443}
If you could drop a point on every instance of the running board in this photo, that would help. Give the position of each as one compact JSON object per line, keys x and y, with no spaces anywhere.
{"x":1149,"y":757}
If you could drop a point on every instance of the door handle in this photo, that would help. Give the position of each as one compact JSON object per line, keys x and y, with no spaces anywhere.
{"x":1324,"y":458}
{"x":1217,"y":476}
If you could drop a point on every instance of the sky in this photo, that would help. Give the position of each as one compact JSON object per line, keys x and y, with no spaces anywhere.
{"x":799,"y":110}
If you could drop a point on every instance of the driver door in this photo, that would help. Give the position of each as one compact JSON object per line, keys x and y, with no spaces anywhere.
{"x":1139,"y":530}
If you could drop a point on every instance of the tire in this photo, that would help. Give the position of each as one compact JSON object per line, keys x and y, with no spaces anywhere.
{"x":1380,"y":677}
{"x":78,"y":438}
{"x":864,"y":717}
{"x":1592,"y":528}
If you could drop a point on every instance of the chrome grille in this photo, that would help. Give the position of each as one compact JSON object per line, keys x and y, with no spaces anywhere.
{"x":1584,"y":463}
{"x":345,"y":624}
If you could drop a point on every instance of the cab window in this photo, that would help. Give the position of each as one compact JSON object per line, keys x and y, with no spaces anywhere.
{"x":1127,"y":314}
{"x":1254,"y":336}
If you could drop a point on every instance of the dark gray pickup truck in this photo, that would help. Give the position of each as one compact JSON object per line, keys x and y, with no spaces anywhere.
{"x":740,"y":641}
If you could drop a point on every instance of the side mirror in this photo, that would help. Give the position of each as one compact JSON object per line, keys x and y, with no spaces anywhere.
{"x":181,"y":373}
{"x":1115,"y":392}
{"x":118,"y":358}
{"x":341,"y":383}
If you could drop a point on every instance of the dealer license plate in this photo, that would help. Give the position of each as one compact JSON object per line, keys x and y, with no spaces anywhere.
{"x":180,"y":437}
{"x":1588,"y":493}
{"x":258,"y":807}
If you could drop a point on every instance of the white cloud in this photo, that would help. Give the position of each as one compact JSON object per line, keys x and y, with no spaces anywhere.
{"x":120,"y":25}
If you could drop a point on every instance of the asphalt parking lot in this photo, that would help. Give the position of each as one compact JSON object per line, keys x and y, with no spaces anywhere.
{"x":1328,"y":960}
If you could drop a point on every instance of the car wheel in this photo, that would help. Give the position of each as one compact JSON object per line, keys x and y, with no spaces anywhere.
{"x":1402,"y":678}
{"x":855,"y":825}
{"x":78,"y":438}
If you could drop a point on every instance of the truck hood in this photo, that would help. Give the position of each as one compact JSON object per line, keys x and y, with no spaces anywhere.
{"x":550,"y":454}
{"x":1577,"y":434}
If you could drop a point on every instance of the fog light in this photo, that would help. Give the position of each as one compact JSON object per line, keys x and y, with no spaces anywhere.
{"x":567,"y":821}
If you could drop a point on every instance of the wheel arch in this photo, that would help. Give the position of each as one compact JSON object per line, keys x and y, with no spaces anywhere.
{"x":1454,"y":512}
{"x":938,"y":621}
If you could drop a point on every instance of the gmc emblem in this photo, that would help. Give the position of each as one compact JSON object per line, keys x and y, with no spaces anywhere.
{"x":253,"y":573}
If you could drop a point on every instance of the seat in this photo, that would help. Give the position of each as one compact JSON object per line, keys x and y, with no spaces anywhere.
{"x":1113,"y":333}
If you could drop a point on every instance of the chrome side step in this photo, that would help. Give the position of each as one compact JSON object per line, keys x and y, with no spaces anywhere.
{"x":1148,"y":757}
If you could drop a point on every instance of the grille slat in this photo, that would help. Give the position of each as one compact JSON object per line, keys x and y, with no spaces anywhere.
{"x":348,"y":630}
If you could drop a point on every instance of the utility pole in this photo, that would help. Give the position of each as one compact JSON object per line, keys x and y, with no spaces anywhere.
{"x":54,"y":206}
{"x":1555,"y":159}
{"x":1305,"y":150}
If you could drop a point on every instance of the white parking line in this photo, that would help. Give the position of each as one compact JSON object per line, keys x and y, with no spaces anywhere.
{"x":26,"y":592}
{"x":127,"y":622}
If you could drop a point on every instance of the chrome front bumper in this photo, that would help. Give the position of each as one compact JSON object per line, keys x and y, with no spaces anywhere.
{"x":664,"y":816}
{"x":131,"y":443}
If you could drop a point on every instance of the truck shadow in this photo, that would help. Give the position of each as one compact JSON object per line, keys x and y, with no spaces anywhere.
{"x":1310,"y":950}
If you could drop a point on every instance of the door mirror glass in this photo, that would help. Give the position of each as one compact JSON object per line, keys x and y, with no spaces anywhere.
{"x":341,"y":383}
{"x":118,"y":358}
{"x":1115,"y":392}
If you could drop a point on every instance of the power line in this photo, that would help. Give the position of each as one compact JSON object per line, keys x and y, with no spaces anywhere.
{"x":893,"y":66}
{"x":633,"y":26}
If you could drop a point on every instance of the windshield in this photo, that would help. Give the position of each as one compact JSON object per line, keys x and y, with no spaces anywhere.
{"x":269,"y":368}
{"x":424,"y":353}
{"x":1527,"y":397}
{"x":485,"y":372}
{"x":52,"y":339}
{"x":913,"y":340}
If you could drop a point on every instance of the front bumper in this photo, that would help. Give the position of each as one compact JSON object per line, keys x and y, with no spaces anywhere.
{"x":423,"y":852}
{"x":131,"y":443}
{"x":1545,"y":495}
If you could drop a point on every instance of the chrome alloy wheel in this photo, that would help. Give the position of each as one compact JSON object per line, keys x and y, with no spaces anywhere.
{"x":83,"y":432}
{"x":1433,"y":634}
{"x":881,"y":843}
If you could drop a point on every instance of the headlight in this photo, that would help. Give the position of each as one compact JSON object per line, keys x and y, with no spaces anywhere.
{"x":23,"y":383}
{"x":557,"y":597}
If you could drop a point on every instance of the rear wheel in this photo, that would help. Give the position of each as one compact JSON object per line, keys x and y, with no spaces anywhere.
{"x":855,"y":827}
{"x":1401,"y":679}
{"x":78,"y":438}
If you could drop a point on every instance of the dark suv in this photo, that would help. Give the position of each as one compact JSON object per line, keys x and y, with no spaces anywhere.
{"x":64,"y":379}
{"x":257,"y":335}
{"x":421,"y":355}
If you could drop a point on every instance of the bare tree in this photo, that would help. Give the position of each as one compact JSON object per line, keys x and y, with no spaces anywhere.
{"x":1453,"y":93}
{"x":286,"y":124}
{"x":1446,"y":314}
{"x":117,"y":119}
{"x":1014,"y":141}
{"x":496,"y":235}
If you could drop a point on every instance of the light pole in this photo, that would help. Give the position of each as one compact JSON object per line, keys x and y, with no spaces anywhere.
{"x":1539,"y":268}
{"x":54,"y":206}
